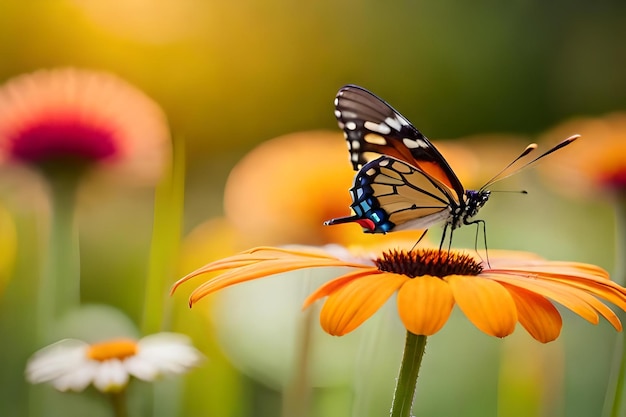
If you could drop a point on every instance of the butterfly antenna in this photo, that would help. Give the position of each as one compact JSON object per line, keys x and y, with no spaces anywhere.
{"x":529,"y":149}
{"x":509,"y":191}
{"x":558,"y":146}
{"x":496,"y":177}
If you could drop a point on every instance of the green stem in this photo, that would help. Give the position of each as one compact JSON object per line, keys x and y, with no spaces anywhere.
{"x":414,"y":347}
{"x":297,"y":395}
{"x":616,"y":384}
{"x":614,"y":401}
{"x":168,"y":214}
{"x":59,"y":290}
{"x":118,"y":403}
{"x":619,"y":269}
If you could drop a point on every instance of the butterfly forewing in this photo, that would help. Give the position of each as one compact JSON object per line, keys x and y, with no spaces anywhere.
{"x":373,"y":128}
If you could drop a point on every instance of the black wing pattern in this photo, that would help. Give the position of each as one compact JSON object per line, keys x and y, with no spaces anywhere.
{"x":373,"y":128}
{"x":389,"y":194}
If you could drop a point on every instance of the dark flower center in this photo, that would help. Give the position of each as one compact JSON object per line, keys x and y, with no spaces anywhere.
{"x":434,"y":262}
{"x":63,"y":139}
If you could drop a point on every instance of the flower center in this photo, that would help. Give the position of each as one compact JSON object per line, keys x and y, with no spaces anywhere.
{"x":112,"y":349}
{"x":433,"y":262}
{"x":63,"y":137}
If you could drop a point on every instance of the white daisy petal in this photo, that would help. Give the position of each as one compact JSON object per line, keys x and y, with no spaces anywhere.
{"x":78,"y":379}
{"x":111,"y":376}
{"x":142,"y":369}
{"x":56,"y":360}
{"x":170,"y":353}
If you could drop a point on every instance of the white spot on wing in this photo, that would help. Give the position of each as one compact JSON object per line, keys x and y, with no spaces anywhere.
{"x":337,"y":114}
{"x":354,"y":157}
{"x":347,"y":114}
{"x":351,"y":126}
{"x":336,"y":100}
{"x":414,"y":143}
{"x":381,"y":128}
{"x":384,"y":162}
{"x":356,"y":145}
{"x":394,"y":123}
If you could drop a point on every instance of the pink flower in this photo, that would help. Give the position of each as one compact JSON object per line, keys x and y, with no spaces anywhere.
{"x":85,"y":119}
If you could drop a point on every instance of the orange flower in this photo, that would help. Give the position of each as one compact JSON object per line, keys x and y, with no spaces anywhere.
{"x":516,"y":287}
{"x":78,"y":118}
{"x":284,"y":189}
{"x":596,"y":164}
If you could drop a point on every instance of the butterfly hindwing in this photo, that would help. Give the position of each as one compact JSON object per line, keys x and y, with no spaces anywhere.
{"x":389,"y":194}
{"x":374,"y":128}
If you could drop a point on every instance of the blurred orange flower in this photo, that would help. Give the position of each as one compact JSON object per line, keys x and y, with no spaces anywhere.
{"x":597,"y":163}
{"x":284,"y":189}
{"x":516,"y":287}
{"x":72,"y":118}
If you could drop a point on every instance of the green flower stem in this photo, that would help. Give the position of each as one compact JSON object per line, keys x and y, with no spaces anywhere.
{"x":168,"y":214}
{"x":59,"y":289}
{"x":297,"y":394}
{"x":118,"y":403}
{"x":619,"y":269}
{"x":615,"y":393}
{"x":615,"y":389}
{"x":414,"y":347}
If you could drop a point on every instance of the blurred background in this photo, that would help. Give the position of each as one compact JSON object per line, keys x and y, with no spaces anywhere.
{"x":482,"y":78}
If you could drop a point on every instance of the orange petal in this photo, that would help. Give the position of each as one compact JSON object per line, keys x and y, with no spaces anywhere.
{"x":607,"y":290}
{"x":536,"y":314}
{"x":570,"y":297}
{"x":333,"y":285}
{"x":355,"y":302}
{"x":424,"y":304}
{"x":259,"y":263}
{"x":248,"y":273}
{"x":558,"y":270}
{"x":279,"y":258}
{"x":486,"y":303}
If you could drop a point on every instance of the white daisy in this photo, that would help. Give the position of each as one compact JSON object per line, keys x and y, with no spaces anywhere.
{"x":72,"y":364}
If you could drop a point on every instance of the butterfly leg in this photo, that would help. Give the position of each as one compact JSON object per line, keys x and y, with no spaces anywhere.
{"x":443,"y":237}
{"x":420,"y":239}
{"x":478,"y":223}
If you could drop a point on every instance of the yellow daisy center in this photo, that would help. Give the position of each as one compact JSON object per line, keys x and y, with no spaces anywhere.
{"x":433,"y":262}
{"x":112,"y":349}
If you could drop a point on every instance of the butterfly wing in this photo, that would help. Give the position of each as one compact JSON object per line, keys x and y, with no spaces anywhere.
{"x":373,"y":128}
{"x":390,"y":194}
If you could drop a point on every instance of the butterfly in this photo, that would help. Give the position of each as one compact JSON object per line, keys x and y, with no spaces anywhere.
{"x":403,"y":182}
